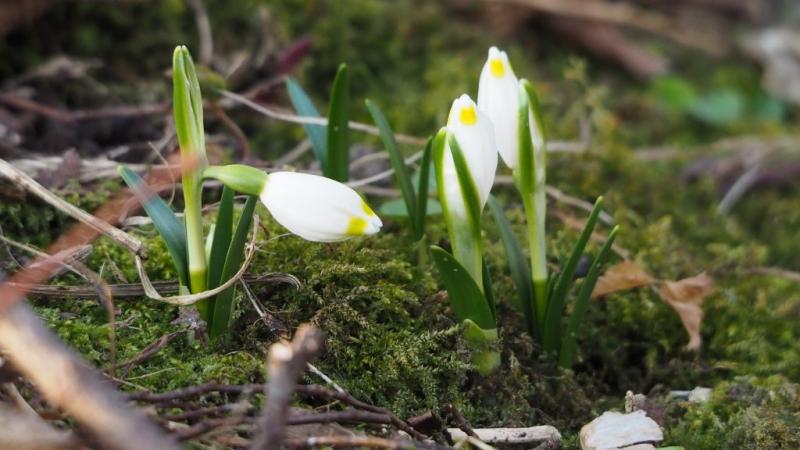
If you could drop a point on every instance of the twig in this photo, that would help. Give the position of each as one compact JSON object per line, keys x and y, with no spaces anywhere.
{"x":203,"y":31}
{"x":739,"y":189}
{"x":76,"y":389}
{"x":21,"y":179}
{"x":510,"y":435}
{"x":289,"y":117}
{"x":231,"y":125}
{"x":453,"y":413}
{"x":358,"y":442}
{"x":151,"y":349}
{"x":627,"y":14}
{"x":285,"y":364}
{"x":135,"y":290}
{"x":189,"y":299}
{"x":777,"y":272}
{"x":316,"y":391}
{"x":61,"y":115}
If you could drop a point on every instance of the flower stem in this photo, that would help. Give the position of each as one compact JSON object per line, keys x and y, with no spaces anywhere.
{"x":535,"y":208}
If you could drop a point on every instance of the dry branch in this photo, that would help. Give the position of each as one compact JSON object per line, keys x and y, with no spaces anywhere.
{"x":286,"y":362}
{"x":70,"y":385}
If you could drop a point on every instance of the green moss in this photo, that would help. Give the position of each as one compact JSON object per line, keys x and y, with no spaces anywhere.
{"x":747,"y":412}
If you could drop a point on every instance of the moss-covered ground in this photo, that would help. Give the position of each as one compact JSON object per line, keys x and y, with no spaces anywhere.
{"x":390,"y":337}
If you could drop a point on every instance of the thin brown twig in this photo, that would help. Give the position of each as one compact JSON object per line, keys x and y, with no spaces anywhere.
{"x":285,"y":364}
{"x":20,"y":178}
{"x":344,"y":441}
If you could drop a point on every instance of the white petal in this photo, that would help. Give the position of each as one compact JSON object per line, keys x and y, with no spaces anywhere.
{"x":474,"y":133}
{"x":498,"y":98}
{"x":317,"y":208}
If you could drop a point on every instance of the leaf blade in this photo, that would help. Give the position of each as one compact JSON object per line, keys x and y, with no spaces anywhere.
{"x":302,"y":103}
{"x":398,"y":163}
{"x":171,"y":230}
{"x":423,"y":205}
{"x":466,"y":298}
{"x":569,"y":344}
{"x":520,"y":271}
{"x":555,"y":304}
{"x":223,"y":303}
{"x":337,"y":159}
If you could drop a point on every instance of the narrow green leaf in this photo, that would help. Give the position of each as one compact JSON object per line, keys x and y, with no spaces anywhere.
{"x":520,"y":272}
{"x":302,"y":103}
{"x":167,"y":224}
{"x":337,"y":160}
{"x":220,"y":242}
{"x":424,"y":204}
{"x":488,"y":291}
{"x":566,"y":356}
{"x":397,"y":208}
{"x":523,"y":175}
{"x":397,"y":161}
{"x":224,"y":301}
{"x":466,"y":297}
{"x":555,"y":306}
{"x":469,"y":190}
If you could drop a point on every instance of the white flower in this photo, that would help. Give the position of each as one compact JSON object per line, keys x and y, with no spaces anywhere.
{"x":475,"y":136}
{"x":498,"y":98}
{"x":317,"y":208}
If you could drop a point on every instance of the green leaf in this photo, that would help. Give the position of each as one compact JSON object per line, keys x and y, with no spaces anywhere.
{"x":305,"y":107}
{"x":425,"y":205}
{"x":397,"y":161}
{"x":466,"y":297}
{"x":167,"y":224}
{"x":488,"y":291}
{"x":675,"y":93}
{"x":220,"y":242}
{"x":518,"y":265}
{"x":187,"y":104}
{"x":718,"y":108}
{"x":223,"y":303}
{"x":469,"y":190}
{"x":524,"y":172}
{"x":397,"y":208}
{"x":569,"y":344}
{"x":337,"y":160}
{"x":555,"y":304}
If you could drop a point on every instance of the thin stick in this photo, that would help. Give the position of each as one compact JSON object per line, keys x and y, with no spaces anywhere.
{"x":358,"y":442}
{"x":21,"y":179}
{"x":203,"y":31}
{"x":69,"y":384}
{"x":285,"y":364}
{"x":189,"y":299}
{"x":288,"y":117}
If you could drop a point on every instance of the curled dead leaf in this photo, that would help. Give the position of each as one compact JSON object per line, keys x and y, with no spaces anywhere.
{"x":622,"y":277}
{"x":686,"y":298}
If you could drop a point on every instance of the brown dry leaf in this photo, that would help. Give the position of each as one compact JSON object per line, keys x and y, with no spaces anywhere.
{"x":686,"y":298}
{"x":622,"y":277}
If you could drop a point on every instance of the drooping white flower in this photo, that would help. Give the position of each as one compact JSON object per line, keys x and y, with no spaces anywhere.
{"x":498,"y":98}
{"x":313,"y":207}
{"x":475,"y":136}
{"x":317,"y":208}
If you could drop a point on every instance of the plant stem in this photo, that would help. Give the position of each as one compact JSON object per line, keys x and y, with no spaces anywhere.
{"x":467,"y":249}
{"x":192,"y":197}
{"x":535,"y":207}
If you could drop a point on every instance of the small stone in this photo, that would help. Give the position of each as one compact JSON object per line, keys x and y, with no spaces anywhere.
{"x":700,"y":395}
{"x":613,"y":430}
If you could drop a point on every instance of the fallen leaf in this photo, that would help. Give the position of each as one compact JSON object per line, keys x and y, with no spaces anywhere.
{"x":686,"y":298}
{"x":622,"y":277}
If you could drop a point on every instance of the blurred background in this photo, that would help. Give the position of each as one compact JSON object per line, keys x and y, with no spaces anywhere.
{"x":88,"y":79}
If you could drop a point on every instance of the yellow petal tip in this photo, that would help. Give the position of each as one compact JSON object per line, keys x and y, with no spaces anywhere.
{"x":468,"y":115}
{"x":497,"y":67}
{"x":356,"y":227}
